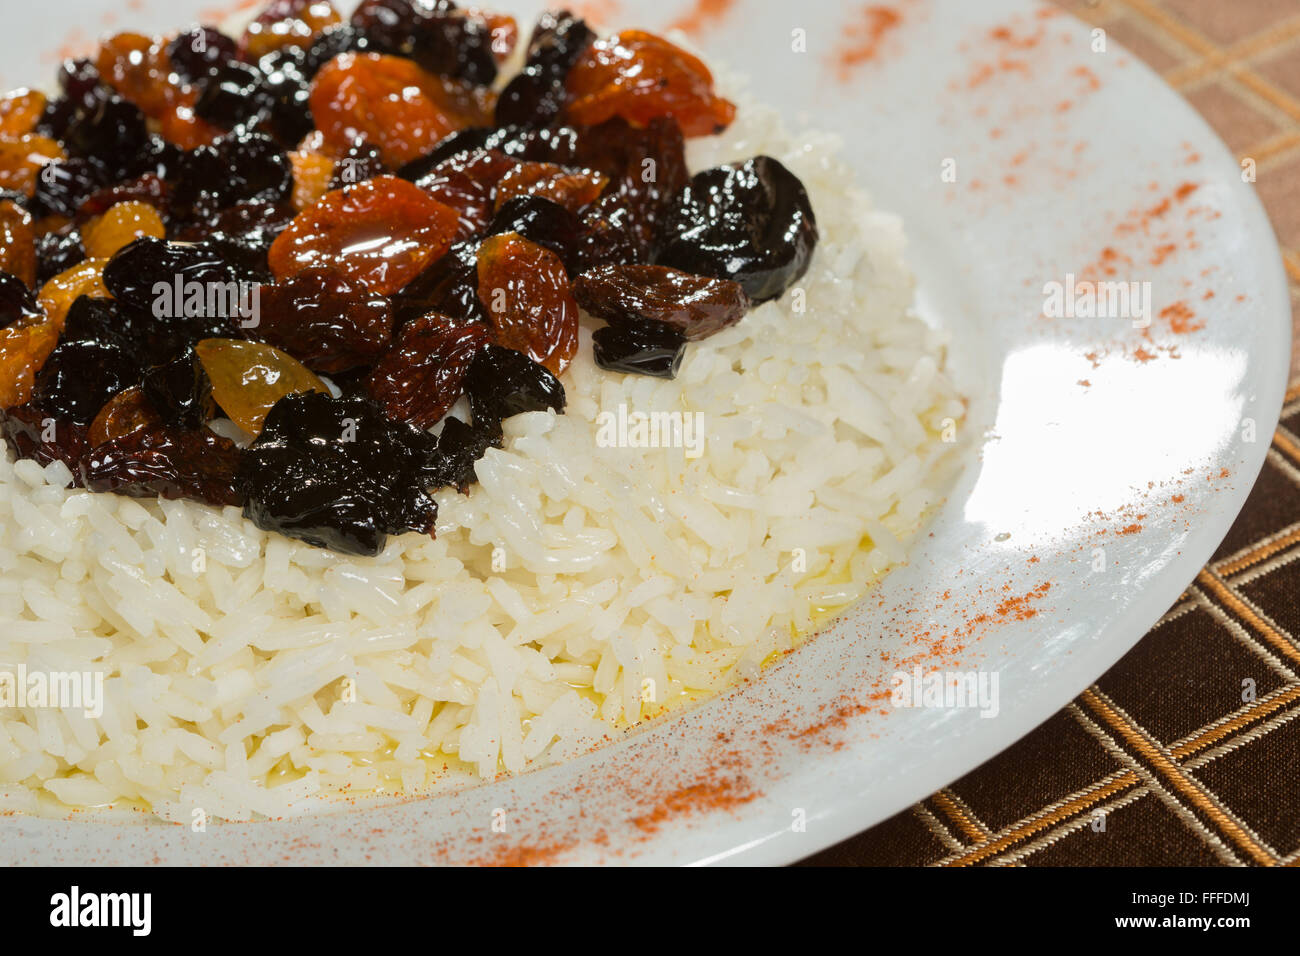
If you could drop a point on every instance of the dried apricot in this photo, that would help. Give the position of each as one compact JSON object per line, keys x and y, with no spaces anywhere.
{"x":124,"y":413}
{"x":525,"y":290}
{"x":312,"y":173}
{"x":17,"y":242}
{"x":24,"y":349}
{"x":382,"y":232}
{"x":421,"y":377}
{"x":85,"y":278}
{"x":571,"y":188}
{"x":639,"y":76}
{"x":287,"y":23}
{"x":121,"y":225}
{"x":20,"y":110}
{"x":23,"y":157}
{"x":392,"y":103}
{"x":248,"y":378}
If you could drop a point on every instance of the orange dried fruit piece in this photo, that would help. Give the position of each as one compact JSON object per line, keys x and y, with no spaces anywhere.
{"x":24,"y":347}
{"x":125,"y":412}
{"x":382,"y":232}
{"x":58,"y":294}
{"x":138,"y":68}
{"x":181,"y":126}
{"x":423,"y":374}
{"x":525,"y":289}
{"x":287,"y":23}
{"x":119,"y":226}
{"x":248,"y":378}
{"x":503,"y":29}
{"x":17,"y":242}
{"x":391,"y":103}
{"x":312,"y":173}
{"x":571,"y":188}
{"x":19,"y":111}
{"x":23,"y":157}
{"x":640,"y":76}
{"x":468,"y":182}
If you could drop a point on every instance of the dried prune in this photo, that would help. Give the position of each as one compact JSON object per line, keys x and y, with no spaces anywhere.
{"x":640,"y":76}
{"x":467,"y":182}
{"x":17,"y":243}
{"x":17,"y":304}
{"x":571,"y":188}
{"x":420,"y":377}
{"x":122,"y":414}
{"x":392,"y":103}
{"x":34,"y":433}
{"x":750,"y":222}
{"x":62,"y":187}
{"x":525,"y":289}
{"x":121,"y":225}
{"x":392,"y":25}
{"x":286,"y":23}
{"x":248,"y":378}
{"x":269,"y":101}
{"x":79,"y":377}
{"x":382,"y":232}
{"x":536,"y":96}
{"x":331,"y":42}
{"x":159,"y":460}
{"x":327,"y":321}
{"x":544,"y":222}
{"x":241,"y":167}
{"x":697,"y":306}
{"x":242,"y":235}
{"x":96,"y":319}
{"x":148,"y":188}
{"x":336,"y":473}
{"x":449,"y":286}
{"x":200,"y":52}
{"x":646,"y":348}
{"x":502,"y":382}
{"x":114,"y":132}
{"x":459,"y":447}
{"x":58,"y":252}
{"x":195,"y":278}
{"x":180,"y":391}
{"x":436,"y":35}
{"x":543,"y":144}
{"x":20,"y":110}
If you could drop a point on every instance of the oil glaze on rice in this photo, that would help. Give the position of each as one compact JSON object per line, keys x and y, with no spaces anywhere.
{"x":582,"y":586}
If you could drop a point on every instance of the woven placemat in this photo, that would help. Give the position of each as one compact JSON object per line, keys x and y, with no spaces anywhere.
{"x":1184,"y":753}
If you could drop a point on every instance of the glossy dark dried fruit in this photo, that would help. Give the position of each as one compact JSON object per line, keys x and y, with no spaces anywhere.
{"x":34,"y":433}
{"x":502,"y":382}
{"x":336,"y":473}
{"x":79,"y":377}
{"x":200,"y":52}
{"x":248,"y":378}
{"x":382,"y":232}
{"x":697,"y":306}
{"x":571,"y":188}
{"x":122,"y":414}
{"x":159,"y":460}
{"x":537,"y":96}
{"x":646,"y":348}
{"x":421,"y":376}
{"x":449,"y":286}
{"x":544,"y":222}
{"x":114,"y":133}
{"x":241,"y":167}
{"x":750,"y":222}
{"x":132,"y":274}
{"x":459,"y":446}
{"x":17,"y":303}
{"x":57,"y":252}
{"x":62,"y":187}
{"x":327,"y":321}
{"x":525,"y":289}
{"x":180,"y":391}
{"x":242,"y":236}
{"x":467,"y":182}
{"x":286,"y":23}
{"x":146,"y":188}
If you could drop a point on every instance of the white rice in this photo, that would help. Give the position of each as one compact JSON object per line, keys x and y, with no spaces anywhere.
{"x":253,"y":676}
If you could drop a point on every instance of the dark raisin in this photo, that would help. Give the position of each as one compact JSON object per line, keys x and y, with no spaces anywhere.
{"x":421,"y":376}
{"x":536,"y":96}
{"x":80,"y":80}
{"x":242,"y":235}
{"x":180,"y":391}
{"x":79,"y":377}
{"x":452,"y":44}
{"x":336,"y":473}
{"x":114,"y":132}
{"x":159,"y":158}
{"x":750,"y":222}
{"x":449,"y":286}
{"x":459,"y":447}
{"x":546,"y":144}
{"x":32,"y":432}
{"x":502,"y":382}
{"x":544,"y":222}
{"x":17,"y":301}
{"x":467,"y":182}
{"x":461,"y":141}
{"x":132,"y":274}
{"x":148,"y":188}
{"x":698,"y":306}
{"x":237,"y":168}
{"x":326,"y":320}
{"x":57,"y":252}
{"x":236,"y":95}
{"x":61,"y":188}
{"x":646,"y":348}
{"x":161,"y":460}
{"x":200,"y":52}
{"x":331,"y":42}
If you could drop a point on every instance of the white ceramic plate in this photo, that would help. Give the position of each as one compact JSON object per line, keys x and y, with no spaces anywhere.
{"x":1061,"y":151}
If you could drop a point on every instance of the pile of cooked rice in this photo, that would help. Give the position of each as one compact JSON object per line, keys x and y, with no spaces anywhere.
{"x":582,"y":586}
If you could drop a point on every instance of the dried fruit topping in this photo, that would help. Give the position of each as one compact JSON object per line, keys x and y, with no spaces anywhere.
{"x":646,"y":348}
{"x":139,"y":68}
{"x":17,"y":243}
{"x":17,"y":304}
{"x":34,"y":433}
{"x":336,"y":473}
{"x":22,"y":160}
{"x":362,"y":161}
{"x":248,"y":378}
{"x":459,"y":447}
{"x":242,"y":235}
{"x":544,"y":222}
{"x":200,"y":52}
{"x":525,"y":289}
{"x":502,"y":382}
{"x":467,"y":182}
{"x":198,"y":281}
{"x":697,"y":306}
{"x":241,"y":167}
{"x":270,"y":99}
{"x":448,"y":287}
{"x":750,"y":222}
{"x":390,"y":102}
{"x":503,"y":29}
{"x":639,"y":76}
{"x":111,"y":133}
{"x":382,"y":232}
{"x":312,"y":175}
{"x":420,"y":377}
{"x":62,"y":187}
{"x":148,"y":188}
{"x":58,"y":294}
{"x":536,"y":96}
{"x":571,"y":188}
{"x":179,"y":390}
{"x":121,"y":225}
{"x":286,"y":23}
{"x":437,"y":36}
{"x":327,"y":321}
{"x":79,"y":377}
{"x":24,"y":348}
{"x":170,"y":462}
{"x":20,"y":110}
{"x":57,"y":252}
{"x":124,"y":413}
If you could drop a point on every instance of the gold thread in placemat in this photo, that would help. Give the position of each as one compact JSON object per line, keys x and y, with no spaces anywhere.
{"x":973,"y":831}
{"x":1252,"y":714}
{"x":1244,"y":50}
{"x":1213,"y":583}
{"x":1262,"y":551}
{"x":1286,"y":443}
{"x":1184,"y":784}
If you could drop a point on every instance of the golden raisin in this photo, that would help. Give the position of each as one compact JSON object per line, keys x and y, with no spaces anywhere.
{"x":121,"y":225}
{"x":19,"y":111}
{"x":248,"y":378}
{"x":571,"y":188}
{"x":138,"y":68}
{"x":23,"y":350}
{"x":287,"y":23}
{"x":57,"y":295}
{"x":525,"y":289}
{"x":23,"y":157}
{"x":125,"y":412}
{"x":17,"y":242}
{"x":312,"y":173}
